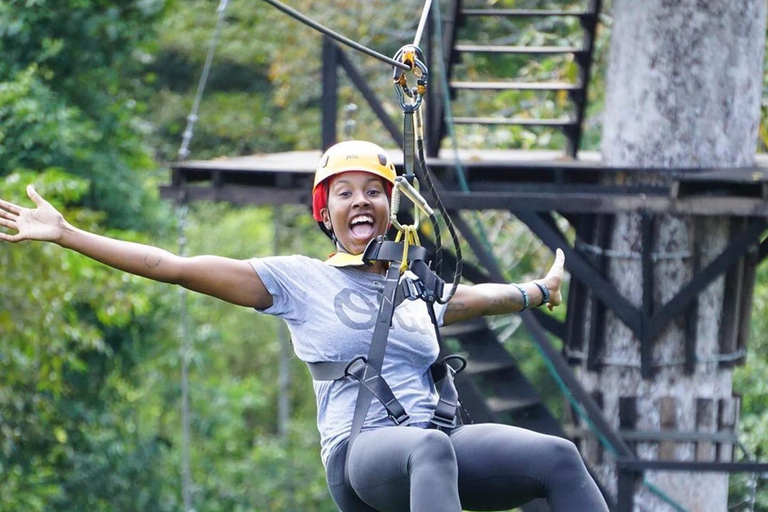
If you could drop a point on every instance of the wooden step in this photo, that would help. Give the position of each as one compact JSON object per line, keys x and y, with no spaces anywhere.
{"x":526,"y":13}
{"x":464,"y":328}
{"x":477,"y":367}
{"x":499,"y":405}
{"x":514,"y":86}
{"x":517,"y":50}
{"x":513,"y":121}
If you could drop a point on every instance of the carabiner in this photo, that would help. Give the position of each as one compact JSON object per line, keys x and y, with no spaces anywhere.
{"x":419,"y":203}
{"x":412,"y":56}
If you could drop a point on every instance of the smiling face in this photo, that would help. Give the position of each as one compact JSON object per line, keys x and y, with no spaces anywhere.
{"x":358,"y":210}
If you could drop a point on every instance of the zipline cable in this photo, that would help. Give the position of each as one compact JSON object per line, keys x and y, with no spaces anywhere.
{"x":181,"y":212}
{"x":192,"y":117}
{"x":422,"y":23}
{"x":334,"y":35}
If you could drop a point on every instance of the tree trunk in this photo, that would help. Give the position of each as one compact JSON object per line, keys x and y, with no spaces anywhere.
{"x":684,"y":88}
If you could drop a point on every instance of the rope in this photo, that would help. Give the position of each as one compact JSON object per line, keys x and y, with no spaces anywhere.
{"x":192,"y":117}
{"x":335,"y":35}
{"x":422,"y":23}
{"x":460,"y":175}
{"x":426,"y":176}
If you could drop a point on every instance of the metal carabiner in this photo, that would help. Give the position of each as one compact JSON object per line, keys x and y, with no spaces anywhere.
{"x":419,"y":203}
{"x":412,"y":56}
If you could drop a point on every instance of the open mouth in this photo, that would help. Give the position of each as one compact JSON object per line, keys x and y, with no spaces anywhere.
{"x":362,"y":226}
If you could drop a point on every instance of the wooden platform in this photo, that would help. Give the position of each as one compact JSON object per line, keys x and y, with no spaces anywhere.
{"x":498,"y":179}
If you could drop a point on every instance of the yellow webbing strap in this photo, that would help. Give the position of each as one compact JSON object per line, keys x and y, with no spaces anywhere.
{"x":409,"y":235}
{"x":343,"y":259}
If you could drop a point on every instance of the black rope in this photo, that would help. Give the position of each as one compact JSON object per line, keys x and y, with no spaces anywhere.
{"x":425,"y":175}
{"x":335,"y":35}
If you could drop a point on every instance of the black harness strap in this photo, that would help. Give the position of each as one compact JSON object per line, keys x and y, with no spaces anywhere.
{"x":379,"y":249}
{"x":375,"y":358}
{"x":360,"y":370}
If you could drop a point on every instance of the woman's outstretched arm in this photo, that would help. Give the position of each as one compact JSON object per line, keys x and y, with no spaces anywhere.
{"x":224,"y":278}
{"x":497,"y":299}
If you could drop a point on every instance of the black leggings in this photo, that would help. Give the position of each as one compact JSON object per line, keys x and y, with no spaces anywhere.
{"x":473,"y":467}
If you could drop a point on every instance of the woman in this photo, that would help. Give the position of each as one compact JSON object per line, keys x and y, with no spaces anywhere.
{"x":330,"y":308}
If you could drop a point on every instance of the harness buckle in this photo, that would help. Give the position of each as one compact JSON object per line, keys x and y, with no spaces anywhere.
{"x":358,"y":372}
{"x":411,"y":289}
{"x":400,"y":419}
{"x":441,"y":421}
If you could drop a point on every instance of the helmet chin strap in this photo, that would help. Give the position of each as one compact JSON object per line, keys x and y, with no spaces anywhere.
{"x":335,"y":240}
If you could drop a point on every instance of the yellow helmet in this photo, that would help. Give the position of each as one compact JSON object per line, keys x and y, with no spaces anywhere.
{"x":351,"y":155}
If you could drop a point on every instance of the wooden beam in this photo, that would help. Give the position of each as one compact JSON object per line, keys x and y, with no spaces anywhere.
{"x":735,"y":250}
{"x":731,"y":307}
{"x":602,"y":203}
{"x":715,"y":467}
{"x":646,"y":342}
{"x":582,"y":270}
{"x":238,"y":195}
{"x":692,"y":313}
{"x":602,"y":238}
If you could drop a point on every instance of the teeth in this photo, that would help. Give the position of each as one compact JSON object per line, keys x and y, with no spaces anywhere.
{"x":362,"y":218}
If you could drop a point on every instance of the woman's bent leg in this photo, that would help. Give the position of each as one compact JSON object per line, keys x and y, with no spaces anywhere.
{"x":501,"y":467}
{"x":401,"y":469}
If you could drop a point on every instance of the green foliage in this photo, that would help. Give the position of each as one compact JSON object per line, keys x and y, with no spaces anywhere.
{"x":65,"y":322}
{"x":750,"y":382}
{"x":71,"y":90}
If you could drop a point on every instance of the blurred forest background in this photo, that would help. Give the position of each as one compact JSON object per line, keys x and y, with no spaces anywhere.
{"x":93,"y":100}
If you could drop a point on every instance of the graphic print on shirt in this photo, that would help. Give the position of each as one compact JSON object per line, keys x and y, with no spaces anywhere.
{"x":358,"y":311}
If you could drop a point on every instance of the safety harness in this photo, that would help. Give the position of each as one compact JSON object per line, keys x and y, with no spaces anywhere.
{"x":419,"y":284}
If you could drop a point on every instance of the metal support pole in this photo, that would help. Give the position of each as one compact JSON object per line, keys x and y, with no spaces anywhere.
{"x":284,"y":373}
{"x":185,"y":349}
{"x":330,"y":98}
{"x":626,"y":490}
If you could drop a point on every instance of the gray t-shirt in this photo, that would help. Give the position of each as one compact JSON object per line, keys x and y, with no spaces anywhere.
{"x":331,"y":314}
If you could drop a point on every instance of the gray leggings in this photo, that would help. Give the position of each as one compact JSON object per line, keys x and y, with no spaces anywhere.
{"x":473,"y":467}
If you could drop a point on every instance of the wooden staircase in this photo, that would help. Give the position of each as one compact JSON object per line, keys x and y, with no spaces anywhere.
{"x":463,"y":25}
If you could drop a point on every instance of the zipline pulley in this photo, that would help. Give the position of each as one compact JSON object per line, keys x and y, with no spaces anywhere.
{"x":413,"y":57}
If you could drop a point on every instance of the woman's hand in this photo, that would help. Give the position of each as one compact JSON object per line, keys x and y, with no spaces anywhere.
{"x":554,"y":280}
{"x":43,"y":223}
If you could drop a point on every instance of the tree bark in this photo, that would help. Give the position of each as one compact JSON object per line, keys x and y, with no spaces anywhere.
{"x":683,"y":91}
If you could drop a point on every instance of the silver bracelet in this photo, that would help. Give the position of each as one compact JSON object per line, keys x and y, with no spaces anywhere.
{"x":526,"y":300}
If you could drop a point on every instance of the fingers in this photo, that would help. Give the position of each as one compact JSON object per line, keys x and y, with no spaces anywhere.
{"x":10,"y":207}
{"x":34,"y":196}
{"x":7,"y":215}
{"x":11,"y":224}
{"x":8,"y":222}
{"x":10,"y":238}
{"x":556,"y":271}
